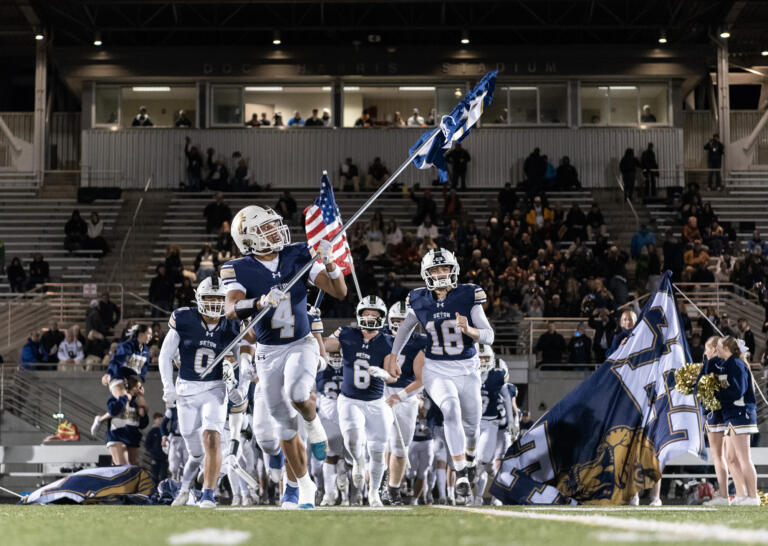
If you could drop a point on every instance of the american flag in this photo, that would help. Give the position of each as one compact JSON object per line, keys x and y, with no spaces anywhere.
{"x":322,"y":220}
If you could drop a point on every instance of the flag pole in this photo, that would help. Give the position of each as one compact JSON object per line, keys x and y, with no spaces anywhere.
{"x":754,"y":381}
{"x":306,"y":267}
{"x":354,"y":278}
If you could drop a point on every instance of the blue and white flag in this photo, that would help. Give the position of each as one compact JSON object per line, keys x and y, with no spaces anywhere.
{"x":430,"y":148}
{"x":611,"y":436}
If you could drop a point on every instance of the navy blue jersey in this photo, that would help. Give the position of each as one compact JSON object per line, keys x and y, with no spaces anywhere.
{"x":434,"y":415}
{"x":445,"y":340}
{"x":199,"y":345}
{"x":493,"y":402}
{"x":328,"y":382}
{"x":423,"y":431}
{"x":738,"y":392}
{"x":289,"y":321}
{"x":418,"y":342}
{"x":357,"y":355}
{"x":130,"y":358}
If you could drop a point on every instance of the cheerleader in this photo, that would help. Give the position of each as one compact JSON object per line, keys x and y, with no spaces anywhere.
{"x":715,"y":426}
{"x":737,"y":398}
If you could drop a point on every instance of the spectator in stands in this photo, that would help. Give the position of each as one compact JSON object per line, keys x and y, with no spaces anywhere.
{"x":240,"y":181}
{"x":96,"y":332}
{"x":757,"y":242}
{"x":326,"y":118}
{"x":374,"y":237}
{"x":39,"y":272}
{"x":216,"y":213}
{"x":745,"y":333}
{"x":693,"y":257}
{"x":392,"y":235}
{"x":264,"y":121}
{"x":640,"y":241}
{"x":364,"y":120}
{"x":604,"y":325}
{"x":650,"y":170}
{"x":696,"y":348}
{"x":183,"y":121}
{"x":224,"y":244}
{"x":453,"y":208}
{"x":277,"y":119}
{"x":576,"y":222}
{"x":503,"y":117}
{"x":628,"y":167}
{"x":415,"y":120}
{"x":715,"y":150}
{"x":702,"y":274}
{"x":458,"y":158}
{"x":206,"y":263}
{"x":595,"y":223}
{"x":432,"y":118}
{"x":314,"y":120}
{"x":673,"y":256}
{"x":142,"y":118}
{"x":296,"y":120}
{"x":254,"y":121}
{"x":538,"y":213}
{"x":51,"y":339}
{"x":626,"y":324}
{"x":218,"y":175}
{"x":194,"y":166}
{"x":161,"y":291}
{"x":397,"y":120}
{"x":394,"y":290}
{"x":534,"y":168}
{"x":554,"y":307}
{"x":75,"y":231}
{"x":174,"y":268}
{"x":377,"y":174}
{"x":580,"y":347}
{"x":185,"y":294}
{"x":406,"y":254}
{"x":349,"y":176}
{"x":726,"y":326}
{"x":94,"y":239}
{"x":647,"y":116}
{"x":616,"y":273}
{"x":507,"y":200}
{"x":33,"y":353}
{"x":691,"y":231}
{"x":70,"y":352}
{"x":108,"y":311}
{"x":567,"y":177}
{"x":425,"y":205}
{"x":427,"y":229}
{"x":550,"y":346}
{"x":286,"y":207}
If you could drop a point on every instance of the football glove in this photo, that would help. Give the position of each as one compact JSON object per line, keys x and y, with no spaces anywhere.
{"x":170,"y":396}
{"x":272,"y":298}
{"x":325,"y":252}
{"x":380,"y":373}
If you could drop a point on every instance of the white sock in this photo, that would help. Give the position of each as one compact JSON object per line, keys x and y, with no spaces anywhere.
{"x":289,"y":483}
{"x":190,"y":471}
{"x":482,"y":481}
{"x":329,"y":477}
{"x":376,"y":469}
{"x":441,"y":481}
{"x":450,"y":492}
{"x":305,"y":481}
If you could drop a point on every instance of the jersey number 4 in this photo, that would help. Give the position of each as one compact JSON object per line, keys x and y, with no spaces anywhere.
{"x":450,"y":341}
{"x":282,"y":318}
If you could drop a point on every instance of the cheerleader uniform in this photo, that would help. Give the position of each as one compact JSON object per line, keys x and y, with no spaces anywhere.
{"x":714,"y":418}
{"x":126,"y":424}
{"x":737,"y":398}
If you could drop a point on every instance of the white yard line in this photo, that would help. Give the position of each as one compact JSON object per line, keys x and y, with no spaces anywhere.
{"x":576,"y":509}
{"x":721,"y":533}
{"x":324,"y":508}
{"x":210,"y":536}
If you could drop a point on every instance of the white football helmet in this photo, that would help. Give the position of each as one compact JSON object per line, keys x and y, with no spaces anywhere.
{"x":369,"y":323}
{"x":396,"y":313}
{"x":334,"y":360}
{"x":254,"y":227}
{"x":435,"y":258}
{"x":210,"y":295}
{"x":487,"y":357}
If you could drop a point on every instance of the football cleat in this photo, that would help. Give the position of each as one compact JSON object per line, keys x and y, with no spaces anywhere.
{"x":358,"y":474}
{"x":718,"y":501}
{"x":182,"y":498}
{"x":207,"y":500}
{"x":463,"y":493}
{"x":235,"y":500}
{"x":635,"y":500}
{"x":290,"y":498}
{"x":374,"y":500}
{"x":655,"y":502}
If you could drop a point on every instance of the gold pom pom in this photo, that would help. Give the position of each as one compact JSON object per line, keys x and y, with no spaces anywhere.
{"x":685,"y":377}
{"x":708,"y":385}
{"x":763,"y":498}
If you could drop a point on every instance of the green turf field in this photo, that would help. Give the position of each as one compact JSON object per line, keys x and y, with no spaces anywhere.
{"x":149,"y":526}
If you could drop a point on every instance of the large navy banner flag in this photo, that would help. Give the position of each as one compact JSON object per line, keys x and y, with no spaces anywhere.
{"x":612,"y":435}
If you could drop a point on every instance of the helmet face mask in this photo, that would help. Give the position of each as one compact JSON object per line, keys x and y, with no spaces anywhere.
{"x":367,"y":321}
{"x":259,"y":231}
{"x":487,"y":357}
{"x":210,"y":296}
{"x":334,"y":360}
{"x":447,"y":276}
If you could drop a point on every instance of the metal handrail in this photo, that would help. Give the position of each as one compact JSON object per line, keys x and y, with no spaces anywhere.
{"x":60,"y":295}
{"x":628,"y":201}
{"x":129,"y":232}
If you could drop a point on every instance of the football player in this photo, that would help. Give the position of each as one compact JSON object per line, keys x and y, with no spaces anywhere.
{"x":199,"y":334}
{"x":286,"y":353}
{"x":496,"y":407}
{"x":452,"y":315}
{"x":421,"y":452}
{"x":363,"y":415}
{"x":401,"y":397}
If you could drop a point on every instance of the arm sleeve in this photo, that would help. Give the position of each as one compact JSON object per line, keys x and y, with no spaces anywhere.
{"x":507,"y":399}
{"x":481,"y":323}
{"x":167,"y":351}
{"x":404,"y":331}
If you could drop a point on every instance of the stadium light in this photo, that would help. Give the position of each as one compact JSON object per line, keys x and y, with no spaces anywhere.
{"x":264,"y":88}
{"x":416,"y":88}
{"x":725,"y":33}
{"x":151,"y":88}
{"x":663,"y":37}
{"x":97,"y":39}
{"x":276,"y":40}
{"x":465,"y":37}
{"x":764,"y":53}
{"x":39,"y":36}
